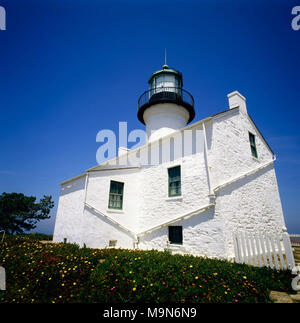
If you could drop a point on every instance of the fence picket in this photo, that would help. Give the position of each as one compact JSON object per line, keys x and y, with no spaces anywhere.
{"x":250,"y":260}
{"x":254,"y":254}
{"x":236,"y":248}
{"x":282,"y":264}
{"x":288,"y":251}
{"x":244,"y":248}
{"x":258,"y":250}
{"x":264,"y":250}
{"x":271,"y":250}
{"x":274,"y":253}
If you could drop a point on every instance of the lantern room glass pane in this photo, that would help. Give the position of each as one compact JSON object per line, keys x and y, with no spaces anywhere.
{"x":159,"y":81}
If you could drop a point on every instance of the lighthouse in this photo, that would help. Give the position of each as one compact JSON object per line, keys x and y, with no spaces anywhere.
{"x":165,"y":107}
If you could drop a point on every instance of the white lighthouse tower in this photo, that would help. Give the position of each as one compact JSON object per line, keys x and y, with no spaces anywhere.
{"x":165,"y":107}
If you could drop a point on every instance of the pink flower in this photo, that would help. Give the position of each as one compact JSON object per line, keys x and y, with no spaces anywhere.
{"x":238,"y":294}
{"x":236,"y":300}
{"x":196,"y":296}
{"x":239,"y":272}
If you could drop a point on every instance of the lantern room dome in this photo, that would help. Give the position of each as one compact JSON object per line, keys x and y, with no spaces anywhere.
{"x":165,"y":86}
{"x":166,"y":71}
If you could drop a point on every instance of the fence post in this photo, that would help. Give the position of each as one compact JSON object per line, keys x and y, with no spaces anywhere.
{"x":288,"y":250}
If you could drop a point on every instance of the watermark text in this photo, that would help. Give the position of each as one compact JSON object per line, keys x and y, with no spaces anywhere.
{"x":296,"y":20}
{"x":2,"y":18}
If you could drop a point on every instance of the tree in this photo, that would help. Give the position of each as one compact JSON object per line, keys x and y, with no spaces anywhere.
{"x":19,"y":213}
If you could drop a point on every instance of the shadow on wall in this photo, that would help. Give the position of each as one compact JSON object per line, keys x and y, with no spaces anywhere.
{"x":228,"y":189}
{"x":108,"y":234}
{"x":76,"y":185}
{"x":197,"y":224}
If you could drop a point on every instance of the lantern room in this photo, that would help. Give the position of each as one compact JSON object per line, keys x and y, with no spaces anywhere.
{"x":165,"y":106}
{"x":165,"y":79}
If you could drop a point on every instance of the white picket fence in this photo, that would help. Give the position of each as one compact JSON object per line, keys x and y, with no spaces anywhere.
{"x":263,"y":249}
{"x":295,"y":239}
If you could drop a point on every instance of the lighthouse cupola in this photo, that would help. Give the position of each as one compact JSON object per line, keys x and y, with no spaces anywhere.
{"x":165,"y":107}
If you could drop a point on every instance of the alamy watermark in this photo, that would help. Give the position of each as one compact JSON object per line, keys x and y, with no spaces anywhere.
{"x":173,"y":146}
{"x":2,"y":279}
{"x":296,"y":20}
{"x":296,"y":271}
{"x":2,"y":18}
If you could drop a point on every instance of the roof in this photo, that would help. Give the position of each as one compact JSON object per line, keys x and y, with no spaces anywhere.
{"x":189,"y":126}
{"x":166,"y":70}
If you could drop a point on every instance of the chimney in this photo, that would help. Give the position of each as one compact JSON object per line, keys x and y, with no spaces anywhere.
{"x":236,"y":99}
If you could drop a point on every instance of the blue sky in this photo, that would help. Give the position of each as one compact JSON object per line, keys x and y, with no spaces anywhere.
{"x":69,"y":68}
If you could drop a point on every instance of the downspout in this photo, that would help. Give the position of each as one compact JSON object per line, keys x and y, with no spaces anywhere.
{"x":85,"y":186}
{"x":136,"y":241}
{"x":211,"y":194}
{"x":84,"y":202}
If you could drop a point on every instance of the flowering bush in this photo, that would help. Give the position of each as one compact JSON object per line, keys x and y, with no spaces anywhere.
{"x":64,"y":273}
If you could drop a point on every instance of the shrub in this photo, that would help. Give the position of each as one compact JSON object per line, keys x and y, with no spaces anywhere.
{"x":65,"y":273}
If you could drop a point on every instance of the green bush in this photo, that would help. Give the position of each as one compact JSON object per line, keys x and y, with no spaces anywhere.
{"x":65,"y":273}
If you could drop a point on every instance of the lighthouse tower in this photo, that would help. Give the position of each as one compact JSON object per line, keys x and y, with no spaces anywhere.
{"x":165,"y":107}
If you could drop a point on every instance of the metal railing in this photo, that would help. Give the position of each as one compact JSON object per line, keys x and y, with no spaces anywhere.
{"x":166,"y":94}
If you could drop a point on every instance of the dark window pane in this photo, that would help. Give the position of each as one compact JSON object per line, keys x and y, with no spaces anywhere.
{"x":175,"y":234}
{"x":174,"y":181}
{"x":252,"y":145}
{"x":116,"y":195}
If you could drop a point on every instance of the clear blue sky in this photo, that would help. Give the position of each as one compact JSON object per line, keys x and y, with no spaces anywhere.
{"x":69,"y":68}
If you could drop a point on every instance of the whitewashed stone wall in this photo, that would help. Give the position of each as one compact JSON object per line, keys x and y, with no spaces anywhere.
{"x":96,"y":231}
{"x":98,"y":194}
{"x":229,"y":147}
{"x":252,"y":203}
{"x":156,"y":206}
{"x":69,"y":212}
{"x":203,"y":235}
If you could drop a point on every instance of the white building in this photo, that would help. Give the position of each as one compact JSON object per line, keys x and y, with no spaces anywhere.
{"x":221,"y":181}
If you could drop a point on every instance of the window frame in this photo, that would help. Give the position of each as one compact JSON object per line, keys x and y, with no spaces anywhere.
{"x":174,"y":234}
{"x":111,"y":194}
{"x":171,"y":180}
{"x":253,"y":145}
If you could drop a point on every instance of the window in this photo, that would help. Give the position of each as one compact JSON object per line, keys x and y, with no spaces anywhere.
{"x":116,"y":195}
{"x":174,"y":181}
{"x":112,"y":243}
{"x":175,"y":234}
{"x":252,"y":145}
